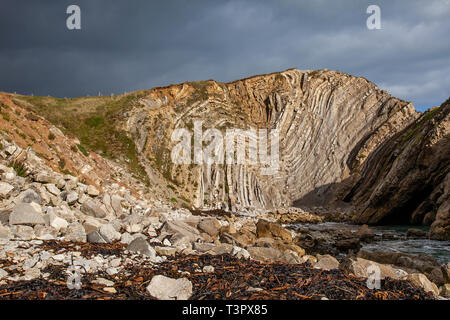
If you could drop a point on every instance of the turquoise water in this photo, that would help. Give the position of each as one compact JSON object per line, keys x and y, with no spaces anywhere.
{"x":393,"y":238}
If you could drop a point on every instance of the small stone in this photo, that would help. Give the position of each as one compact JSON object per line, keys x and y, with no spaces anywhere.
{"x":164,"y":288}
{"x":58,"y":223}
{"x":103,"y":282}
{"x":110,"y":290}
{"x":72,"y":197}
{"x":111,"y":271}
{"x":52,"y":189}
{"x":166,"y":251}
{"x":208,"y":269}
{"x":92,"y":191}
{"x":5,"y":190}
{"x":3,"y":274}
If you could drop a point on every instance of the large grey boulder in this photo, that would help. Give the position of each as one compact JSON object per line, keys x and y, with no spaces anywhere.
{"x":141,"y":246}
{"x":28,"y":196}
{"x":164,"y":288}
{"x":93,"y":208}
{"x":26,"y":214}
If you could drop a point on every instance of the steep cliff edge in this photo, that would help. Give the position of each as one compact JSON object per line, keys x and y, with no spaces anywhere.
{"x":407,"y":178}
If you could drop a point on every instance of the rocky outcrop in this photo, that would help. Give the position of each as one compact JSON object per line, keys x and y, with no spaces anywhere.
{"x":406,"y":179}
{"x":327,"y":122}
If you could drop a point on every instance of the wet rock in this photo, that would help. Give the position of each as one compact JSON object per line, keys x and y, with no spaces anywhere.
{"x":26,"y":214}
{"x":164,"y":288}
{"x":416,"y":233}
{"x":365,"y":233}
{"x":422,"y":281}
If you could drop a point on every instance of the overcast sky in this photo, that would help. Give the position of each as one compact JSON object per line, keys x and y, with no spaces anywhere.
{"x":130,"y":45}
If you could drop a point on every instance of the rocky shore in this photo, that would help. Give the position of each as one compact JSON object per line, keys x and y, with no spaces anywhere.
{"x":62,"y":239}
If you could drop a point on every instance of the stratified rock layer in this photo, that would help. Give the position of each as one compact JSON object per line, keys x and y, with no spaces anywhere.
{"x":328,"y":123}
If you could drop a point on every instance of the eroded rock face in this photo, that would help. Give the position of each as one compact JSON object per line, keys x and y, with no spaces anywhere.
{"x":327,"y":121}
{"x":406,"y":179}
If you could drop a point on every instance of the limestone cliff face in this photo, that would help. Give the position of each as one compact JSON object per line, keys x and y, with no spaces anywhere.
{"x":328,"y":123}
{"x":406,"y":179}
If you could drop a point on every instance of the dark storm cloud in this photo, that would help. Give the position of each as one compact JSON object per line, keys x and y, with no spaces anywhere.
{"x":130,"y":45}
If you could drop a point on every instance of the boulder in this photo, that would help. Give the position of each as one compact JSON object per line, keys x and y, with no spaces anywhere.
{"x":141,"y":246}
{"x":26,"y":214}
{"x":420,"y":280}
{"x":95,"y":237}
{"x":416,"y":233}
{"x":181,"y":229}
{"x":109,"y":233}
{"x":266,"y":229}
{"x":28,"y":196}
{"x":264,"y":254}
{"x":92,"y":191}
{"x":23,"y":232}
{"x":420,"y":263}
{"x":5,"y":233}
{"x":58,"y":223}
{"x":164,"y":288}
{"x":365,"y":233}
{"x":75,"y":232}
{"x":210,"y":226}
{"x":93,"y":208}
{"x":5,"y":190}
{"x":362,"y":268}
{"x":72,"y":197}
{"x":326,"y":262}
{"x":52,"y":189}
